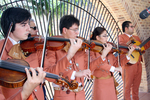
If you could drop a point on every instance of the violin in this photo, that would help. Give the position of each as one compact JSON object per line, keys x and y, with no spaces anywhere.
{"x":32,"y":44}
{"x":99,"y":47}
{"x":14,"y":77}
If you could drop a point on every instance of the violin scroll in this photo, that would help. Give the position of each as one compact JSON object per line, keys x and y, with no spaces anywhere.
{"x":69,"y":86}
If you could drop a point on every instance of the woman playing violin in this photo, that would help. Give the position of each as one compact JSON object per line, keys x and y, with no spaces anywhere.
{"x":104,"y":86}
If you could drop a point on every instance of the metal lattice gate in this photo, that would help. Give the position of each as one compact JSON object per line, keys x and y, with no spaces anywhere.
{"x":91,"y":13}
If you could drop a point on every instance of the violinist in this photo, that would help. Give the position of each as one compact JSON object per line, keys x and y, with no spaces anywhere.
{"x":104,"y":82}
{"x":77,"y":62}
{"x":33,"y":30}
{"x":133,"y":72}
{"x":20,"y":30}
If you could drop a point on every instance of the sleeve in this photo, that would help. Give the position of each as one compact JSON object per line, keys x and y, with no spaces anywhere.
{"x":16,"y":96}
{"x":122,"y":40}
{"x":1,"y":94}
{"x":19,"y":97}
{"x":97,"y":62}
{"x":55,"y":66}
{"x":123,"y":60}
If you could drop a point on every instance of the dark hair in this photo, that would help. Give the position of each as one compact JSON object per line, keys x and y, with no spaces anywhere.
{"x":67,"y":21}
{"x":97,"y":31}
{"x":125,"y":24}
{"x":14,"y":15}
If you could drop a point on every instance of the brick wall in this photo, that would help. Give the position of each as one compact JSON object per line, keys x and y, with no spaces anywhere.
{"x":123,"y":10}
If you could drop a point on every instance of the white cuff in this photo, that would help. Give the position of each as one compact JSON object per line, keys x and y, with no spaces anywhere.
{"x":79,"y":84}
{"x":103,"y":59}
{"x":73,"y":75}
{"x":127,"y":57}
{"x":112,"y":69}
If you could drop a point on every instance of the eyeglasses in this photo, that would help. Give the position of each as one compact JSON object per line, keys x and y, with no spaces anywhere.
{"x":34,"y":27}
{"x":131,"y":26}
{"x":75,"y":30}
{"x":104,"y":36}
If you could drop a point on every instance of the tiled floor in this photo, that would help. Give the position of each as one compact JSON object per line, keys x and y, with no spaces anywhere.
{"x":144,"y":96}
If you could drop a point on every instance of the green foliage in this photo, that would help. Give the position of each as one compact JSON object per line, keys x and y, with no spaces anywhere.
{"x":55,"y":6}
{"x":44,"y":6}
{"x":2,"y":8}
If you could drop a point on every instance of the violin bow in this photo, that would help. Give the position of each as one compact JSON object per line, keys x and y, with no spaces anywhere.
{"x":89,"y":41}
{"x":120,"y":64}
{"x":89,"y":50}
{"x":6,"y":39}
{"x":118,"y":52}
{"x":45,"y":40}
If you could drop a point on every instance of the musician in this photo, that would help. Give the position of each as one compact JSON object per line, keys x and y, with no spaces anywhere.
{"x":132,"y":71}
{"x":104,"y":83}
{"x":20,"y":30}
{"x":33,"y":30}
{"x":78,"y":61}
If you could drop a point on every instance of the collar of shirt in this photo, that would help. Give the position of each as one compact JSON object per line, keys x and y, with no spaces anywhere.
{"x":13,"y":41}
{"x":128,"y":35}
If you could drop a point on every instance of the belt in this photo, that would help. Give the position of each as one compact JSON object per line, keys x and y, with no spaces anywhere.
{"x":107,"y":77}
{"x":80,"y":88}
